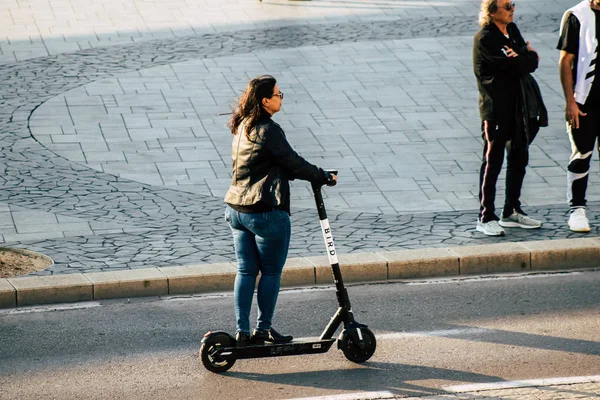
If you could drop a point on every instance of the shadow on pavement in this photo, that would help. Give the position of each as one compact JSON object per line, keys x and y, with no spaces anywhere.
{"x":373,"y":376}
{"x":534,"y":341}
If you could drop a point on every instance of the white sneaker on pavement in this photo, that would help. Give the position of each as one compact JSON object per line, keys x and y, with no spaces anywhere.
{"x":578,"y":221}
{"x":490,"y":228}
{"x":517,"y":220}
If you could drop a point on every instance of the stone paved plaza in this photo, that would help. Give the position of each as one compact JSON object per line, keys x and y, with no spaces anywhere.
{"x":114,"y":150}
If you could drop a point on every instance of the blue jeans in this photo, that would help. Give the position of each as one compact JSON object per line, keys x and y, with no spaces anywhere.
{"x":261,"y":244}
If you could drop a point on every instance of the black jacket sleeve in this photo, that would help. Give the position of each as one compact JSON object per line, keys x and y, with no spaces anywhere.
{"x":282,"y":153}
{"x":490,"y":50}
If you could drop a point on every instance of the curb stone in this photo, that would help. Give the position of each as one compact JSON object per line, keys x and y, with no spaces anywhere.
{"x":199,"y":278}
{"x":360,"y":267}
{"x":128,"y":283}
{"x":32,"y":290}
{"x":421,"y":263}
{"x":493,"y":258}
{"x":8,"y":294}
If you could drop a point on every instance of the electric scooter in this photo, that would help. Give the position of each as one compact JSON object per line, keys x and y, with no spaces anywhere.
{"x":219,"y":352}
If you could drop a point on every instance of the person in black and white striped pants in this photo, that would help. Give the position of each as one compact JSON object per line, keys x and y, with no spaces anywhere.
{"x":578,"y":45}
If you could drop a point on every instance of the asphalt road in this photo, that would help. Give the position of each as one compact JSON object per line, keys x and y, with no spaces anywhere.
{"x":431,"y":335}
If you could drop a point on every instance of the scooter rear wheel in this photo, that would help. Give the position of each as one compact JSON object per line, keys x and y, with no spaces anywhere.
{"x":209,"y":348}
{"x":352,"y":349}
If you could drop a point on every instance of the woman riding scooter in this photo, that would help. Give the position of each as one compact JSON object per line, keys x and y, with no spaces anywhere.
{"x":258,"y":205}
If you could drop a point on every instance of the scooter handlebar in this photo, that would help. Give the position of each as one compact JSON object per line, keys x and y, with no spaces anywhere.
{"x":333,"y":177}
{"x":329,"y":182}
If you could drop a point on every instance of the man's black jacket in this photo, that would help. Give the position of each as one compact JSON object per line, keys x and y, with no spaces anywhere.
{"x":498,"y":75}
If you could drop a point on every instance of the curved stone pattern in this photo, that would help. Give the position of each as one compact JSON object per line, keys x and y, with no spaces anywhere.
{"x":353,"y":233}
{"x":161,"y":226}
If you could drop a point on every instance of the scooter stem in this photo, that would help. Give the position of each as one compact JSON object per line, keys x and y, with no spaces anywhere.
{"x":341,"y":292}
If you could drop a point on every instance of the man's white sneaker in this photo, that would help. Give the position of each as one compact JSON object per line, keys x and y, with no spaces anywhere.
{"x":490,"y":228}
{"x":517,"y":220}
{"x":578,"y":221}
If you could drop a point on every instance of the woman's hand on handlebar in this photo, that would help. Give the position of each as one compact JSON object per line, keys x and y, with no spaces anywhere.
{"x":332,"y":181}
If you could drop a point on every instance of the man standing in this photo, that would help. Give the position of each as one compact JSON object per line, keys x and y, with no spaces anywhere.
{"x":501,"y":57}
{"x":578,"y":45}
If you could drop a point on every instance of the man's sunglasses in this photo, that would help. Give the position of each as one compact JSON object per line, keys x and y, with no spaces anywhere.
{"x":510,"y":6}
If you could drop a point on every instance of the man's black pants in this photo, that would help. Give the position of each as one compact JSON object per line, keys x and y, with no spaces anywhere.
{"x":582,"y":145}
{"x":497,"y":138}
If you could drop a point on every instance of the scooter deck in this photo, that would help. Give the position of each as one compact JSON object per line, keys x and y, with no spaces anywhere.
{"x":293,"y":348}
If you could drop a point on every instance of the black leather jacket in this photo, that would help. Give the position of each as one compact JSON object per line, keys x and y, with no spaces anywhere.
{"x":263,"y":165}
{"x":498,"y":75}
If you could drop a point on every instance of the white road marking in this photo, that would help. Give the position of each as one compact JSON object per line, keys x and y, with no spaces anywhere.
{"x":353,"y":396}
{"x":440,"y":333}
{"x":477,"y":387}
{"x":433,"y":281}
{"x":221,"y":295}
{"x":483,"y":278}
{"x":193,"y":297}
{"x":54,"y":307}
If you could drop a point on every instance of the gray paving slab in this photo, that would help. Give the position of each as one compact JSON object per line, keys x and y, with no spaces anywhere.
{"x":92,"y":131}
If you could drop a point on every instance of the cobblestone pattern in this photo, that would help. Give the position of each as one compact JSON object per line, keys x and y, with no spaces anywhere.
{"x":32,"y":29}
{"x":209,"y":241}
{"x":168,"y":227}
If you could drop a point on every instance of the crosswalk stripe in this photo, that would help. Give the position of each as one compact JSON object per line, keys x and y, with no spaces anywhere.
{"x":476,"y":387}
{"x":353,"y":396}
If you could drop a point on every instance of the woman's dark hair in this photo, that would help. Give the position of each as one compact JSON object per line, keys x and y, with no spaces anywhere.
{"x":250,"y":107}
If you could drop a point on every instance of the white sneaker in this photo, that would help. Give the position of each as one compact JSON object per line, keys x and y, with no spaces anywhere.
{"x":578,"y":222}
{"x":517,"y":220}
{"x":490,"y":228}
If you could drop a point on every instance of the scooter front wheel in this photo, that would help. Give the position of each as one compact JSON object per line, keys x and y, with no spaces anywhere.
{"x":355,"y":349}
{"x":209,"y":352}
